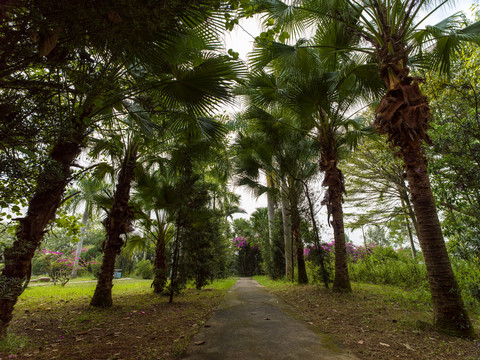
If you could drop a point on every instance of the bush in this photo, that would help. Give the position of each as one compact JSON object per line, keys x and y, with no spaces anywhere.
{"x":39,"y":265}
{"x":144,"y":269}
{"x":389,"y":267}
{"x":468,"y":278}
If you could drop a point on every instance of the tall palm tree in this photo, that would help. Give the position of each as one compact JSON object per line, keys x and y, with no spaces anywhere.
{"x":319,"y":90}
{"x":386,"y":30}
{"x":276,"y":141}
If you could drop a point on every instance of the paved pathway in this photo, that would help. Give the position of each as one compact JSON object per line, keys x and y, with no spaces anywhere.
{"x":251,"y":323}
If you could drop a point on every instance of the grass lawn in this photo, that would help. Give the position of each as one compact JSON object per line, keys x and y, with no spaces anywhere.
{"x":376,"y":322}
{"x":54,"y":322}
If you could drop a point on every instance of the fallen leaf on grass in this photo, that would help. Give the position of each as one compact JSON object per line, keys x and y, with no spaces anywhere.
{"x":383,"y":344}
{"x":199,"y":342}
{"x":408,"y":347}
{"x":311,"y":323}
{"x":360,"y":342}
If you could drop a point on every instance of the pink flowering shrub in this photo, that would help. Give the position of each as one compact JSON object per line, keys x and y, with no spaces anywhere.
{"x":241,"y":242}
{"x":354,"y":252}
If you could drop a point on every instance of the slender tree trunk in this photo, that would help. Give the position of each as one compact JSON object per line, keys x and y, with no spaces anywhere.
{"x":403,"y":114}
{"x":31,"y":229}
{"x":117,"y":223}
{"x":341,"y":283}
{"x":287,"y":236}
{"x":271,"y":209}
{"x":78,"y":251}
{"x":410,"y":235}
{"x":160,"y":264}
{"x":301,"y":270}
{"x":319,"y":249}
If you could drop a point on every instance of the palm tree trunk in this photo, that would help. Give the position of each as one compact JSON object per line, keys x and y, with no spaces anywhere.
{"x":270,"y":208}
{"x":78,"y":251}
{"x":41,"y":210}
{"x":287,"y":236}
{"x":449,"y":314}
{"x":333,"y":180}
{"x":403,"y":114}
{"x":160,"y":264}
{"x":341,"y":283}
{"x":117,"y":223}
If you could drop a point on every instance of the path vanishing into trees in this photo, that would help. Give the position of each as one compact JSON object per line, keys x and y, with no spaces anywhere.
{"x":251,"y":323}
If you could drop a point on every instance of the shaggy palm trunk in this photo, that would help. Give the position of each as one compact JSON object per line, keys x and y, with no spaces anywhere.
{"x":117,"y":223}
{"x":301,"y":270}
{"x":287,"y":236}
{"x":403,"y":114}
{"x":160,"y":265}
{"x":31,"y":229}
{"x":333,"y":180}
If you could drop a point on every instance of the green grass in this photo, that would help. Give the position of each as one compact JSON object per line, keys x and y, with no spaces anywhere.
{"x":13,"y":342}
{"x":48,"y":295}
{"x":272,"y":284}
{"x":38,"y":296}
{"x":222,"y":284}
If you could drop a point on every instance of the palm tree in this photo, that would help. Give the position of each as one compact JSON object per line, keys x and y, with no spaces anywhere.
{"x":386,"y":31}
{"x":155,"y":195}
{"x":273,"y":140}
{"x":90,"y":68}
{"x":88,"y":187}
{"x":319,"y":91}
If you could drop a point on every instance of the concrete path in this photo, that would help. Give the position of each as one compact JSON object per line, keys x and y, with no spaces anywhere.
{"x":251,"y":323}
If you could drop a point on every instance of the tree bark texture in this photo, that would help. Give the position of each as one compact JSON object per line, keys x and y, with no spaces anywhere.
{"x":403,"y":114}
{"x":118,"y":222}
{"x":51,"y":184}
{"x":334,"y":183}
{"x":287,"y":235}
{"x":449,"y":314}
{"x":160,"y":265}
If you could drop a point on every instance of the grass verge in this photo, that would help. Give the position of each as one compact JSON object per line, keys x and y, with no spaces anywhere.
{"x":55,"y":322}
{"x":376,"y":322}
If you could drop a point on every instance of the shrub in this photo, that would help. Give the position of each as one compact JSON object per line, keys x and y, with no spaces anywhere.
{"x":39,"y":265}
{"x":389,"y":267}
{"x":144,"y":269}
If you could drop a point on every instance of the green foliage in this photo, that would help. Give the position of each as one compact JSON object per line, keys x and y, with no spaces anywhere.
{"x":144,"y":269}
{"x":389,"y":267}
{"x":454,"y":164}
{"x":467,"y":274}
{"x":39,"y":265}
